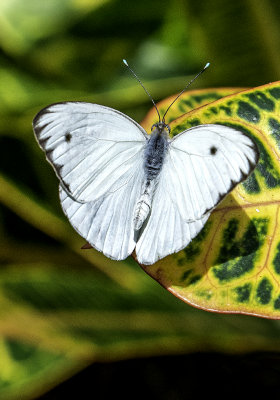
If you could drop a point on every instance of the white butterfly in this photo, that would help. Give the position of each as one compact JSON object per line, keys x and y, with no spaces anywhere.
{"x":124,"y":190}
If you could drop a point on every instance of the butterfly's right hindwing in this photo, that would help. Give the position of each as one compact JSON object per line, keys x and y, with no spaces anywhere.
{"x":92,"y":148}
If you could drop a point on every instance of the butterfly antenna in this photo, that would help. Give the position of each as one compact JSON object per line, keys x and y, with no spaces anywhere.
{"x":135,"y":76}
{"x":206,"y":66}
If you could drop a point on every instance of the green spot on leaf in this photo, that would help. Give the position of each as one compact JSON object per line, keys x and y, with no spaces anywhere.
{"x":277,"y":303}
{"x":184,"y":105}
{"x":243,"y":292}
{"x":248,"y":112}
{"x":237,"y":256}
{"x":194,"y":279}
{"x":276,"y":260}
{"x":181,"y":108}
{"x":178,"y":129}
{"x":266,"y":167}
{"x":194,"y":248}
{"x":275,"y":129}
{"x":275,"y":92}
{"x":261,"y":100}
{"x":264,"y":290}
{"x":186,"y":274}
{"x":214,"y":110}
{"x":207,"y":96}
{"x":251,"y":184}
{"x":227,"y":110}
{"x":194,"y":122}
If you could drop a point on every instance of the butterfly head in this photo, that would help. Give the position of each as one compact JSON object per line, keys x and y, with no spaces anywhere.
{"x":161,"y":128}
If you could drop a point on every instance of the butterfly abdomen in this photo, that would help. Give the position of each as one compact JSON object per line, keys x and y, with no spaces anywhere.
{"x":143,"y":205}
{"x":153,"y":161}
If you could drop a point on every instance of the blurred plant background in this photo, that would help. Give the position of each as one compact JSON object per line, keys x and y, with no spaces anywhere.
{"x":62,"y":309}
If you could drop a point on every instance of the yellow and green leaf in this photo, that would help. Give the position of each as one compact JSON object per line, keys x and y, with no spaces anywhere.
{"x":233,"y":265}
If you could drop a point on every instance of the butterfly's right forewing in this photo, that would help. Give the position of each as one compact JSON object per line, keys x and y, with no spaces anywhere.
{"x":203,"y":164}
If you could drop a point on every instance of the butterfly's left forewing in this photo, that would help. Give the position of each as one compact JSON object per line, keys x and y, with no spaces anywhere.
{"x":202,"y":165}
{"x":92,"y":148}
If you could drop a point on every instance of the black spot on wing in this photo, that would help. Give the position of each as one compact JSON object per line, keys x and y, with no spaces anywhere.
{"x":68,"y":137}
{"x":213,"y":150}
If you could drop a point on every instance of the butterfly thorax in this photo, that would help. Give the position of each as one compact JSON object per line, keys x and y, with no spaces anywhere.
{"x":154,"y":155}
{"x":155,"y":152}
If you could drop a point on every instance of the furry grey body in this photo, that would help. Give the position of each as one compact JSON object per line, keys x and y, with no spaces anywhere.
{"x":154,"y":155}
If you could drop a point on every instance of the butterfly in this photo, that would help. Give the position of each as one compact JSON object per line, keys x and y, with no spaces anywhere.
{"x":124,"y":190}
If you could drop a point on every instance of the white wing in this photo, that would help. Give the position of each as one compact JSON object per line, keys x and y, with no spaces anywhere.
{"x":166,"y":232}
{"x":92,"y":148}
{"x":203,"y":164}
{"x":107,"y":223}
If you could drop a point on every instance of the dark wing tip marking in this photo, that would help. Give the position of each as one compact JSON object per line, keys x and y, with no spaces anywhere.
{"x":39,"y":115}
{"x":47,"y":110}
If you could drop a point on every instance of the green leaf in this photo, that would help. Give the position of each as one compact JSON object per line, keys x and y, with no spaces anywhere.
{"x":232,"y":266}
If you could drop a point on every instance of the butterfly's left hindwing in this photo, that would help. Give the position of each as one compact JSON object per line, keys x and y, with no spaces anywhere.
{"x":107,"y":223}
